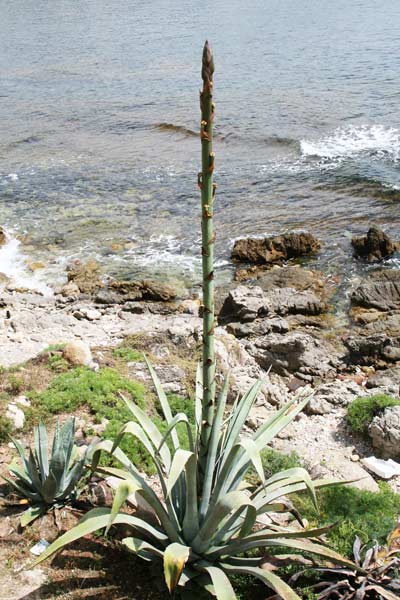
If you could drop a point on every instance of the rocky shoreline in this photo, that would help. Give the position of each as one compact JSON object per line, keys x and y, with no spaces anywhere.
{"x":275,"y":315}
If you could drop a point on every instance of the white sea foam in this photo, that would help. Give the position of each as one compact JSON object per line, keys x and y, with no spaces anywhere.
{"x":13,"y":265}
{"x":346,"y":142}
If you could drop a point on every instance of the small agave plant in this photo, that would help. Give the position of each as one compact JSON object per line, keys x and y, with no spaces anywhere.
{"x":48,"y":483}
{"x":207,"y":523}
{"x":376,"y":578}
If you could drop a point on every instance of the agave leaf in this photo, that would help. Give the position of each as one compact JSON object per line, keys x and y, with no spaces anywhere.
{"x":238,"y":418}
{"x":136,"y":544}
{"x":96,"y":519}
{"x":213,"y":447}
{"x":168,"y":521}
{"x":68,"y":437}
{"x":21,"y":474}
{"x":222,"y":586}
{"x":191,"y":519}
{"x":237,"y":547}
{"x":289,"y":477}
{"x":177,"y":467}
{"x":150,"y":429}
{"x":175,"y":558}
{"x":267,"y":432}
{"x":34,"y":471}
{"x":142,"y":548}
{"x":231,"y":502}
{"x":32,"y":513}
{"x":23,"y":491}
{"x":58,"y":466}
{"x":179,"y":418}
{"x":164,"y":402}
{"x":49,"y":489}
{"x":124,"y":490}
{"x":270,"y":579}
{"x":262,"y":500}
{"x":72,"y":479}
{"x":42,"y":450}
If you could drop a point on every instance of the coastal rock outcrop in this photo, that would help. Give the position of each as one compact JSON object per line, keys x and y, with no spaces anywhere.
{"x":270,"y":250}
{"x":375,"y":350}
{"x":375,"y":246}
{"x":121,"y":292}
{"x":329,"y":396}
{"x":381,"y":291}
{"x":296,"y":353}
{"x":245,"y":304}
{"x":385,"y":432}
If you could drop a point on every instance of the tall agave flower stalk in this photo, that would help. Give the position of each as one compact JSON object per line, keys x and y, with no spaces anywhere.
{"x":207,"y":187}
{"x":205,"y":522}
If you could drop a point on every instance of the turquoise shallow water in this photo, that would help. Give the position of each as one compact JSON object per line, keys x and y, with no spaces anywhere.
{"x":99,"y":111}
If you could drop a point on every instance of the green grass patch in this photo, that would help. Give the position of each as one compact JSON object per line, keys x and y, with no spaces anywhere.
{"x":83,"y":387}
{"x":127,"y":354}
{"x":5,"y":428}
{"x":361,"y":411}
{"x":369,"y":515}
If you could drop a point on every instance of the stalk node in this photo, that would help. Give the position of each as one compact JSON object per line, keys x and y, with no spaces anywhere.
{"x":200,"y":180}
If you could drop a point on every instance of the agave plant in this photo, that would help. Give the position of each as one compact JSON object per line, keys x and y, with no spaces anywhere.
{"x":45,"y":482}
{"x":377,"y":576}
{"x":207,"y":521}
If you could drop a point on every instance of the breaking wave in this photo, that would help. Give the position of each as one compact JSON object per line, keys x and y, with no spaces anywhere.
{"x":375,"y":140}
{"x":14,"y":266}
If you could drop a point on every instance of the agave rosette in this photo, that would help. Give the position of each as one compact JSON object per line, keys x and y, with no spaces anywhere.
{"x":48,"y":482}
{"x":206,"y":523}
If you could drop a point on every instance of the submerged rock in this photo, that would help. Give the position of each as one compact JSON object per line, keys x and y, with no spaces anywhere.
{"x":86,"y":276}
{"x":3,"y":237}
{"x":385,"y":432}
{"x":276,"y":249}
{"x":374,"y":246}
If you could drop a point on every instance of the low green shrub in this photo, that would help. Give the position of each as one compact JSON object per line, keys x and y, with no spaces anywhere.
{"x":361,"y":411}
{"x":127,"y":354}
{"x":5,"y":428}
{"x":369,"y":515}
{"x":96,"y":390}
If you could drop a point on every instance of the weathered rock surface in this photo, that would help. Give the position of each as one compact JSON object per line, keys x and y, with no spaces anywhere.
{"x":77,"y":353}
{"x":381,"y":291}
{"x":121,"y":292}
{"x":374,"y":246}
{"x":385,"y":432}
{"x":296,"y":353}
{"x":85,"y":275}
{"x":245,"y":304}
{"x":388,"y":378}
{"x":329,"y":396}
{"x":377,"y":350}
{"x":276,"y":249}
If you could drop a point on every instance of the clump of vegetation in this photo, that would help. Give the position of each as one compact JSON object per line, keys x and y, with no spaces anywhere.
{"x":361,"y":411}
{"x":376,"y":576}
{"x":80,"y":387}
{"x":369,"y":515}
{"x":127,"y":354}
{"x":48,"y":482}
{"x":5,"y":428}
{"x":207,"y":525}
